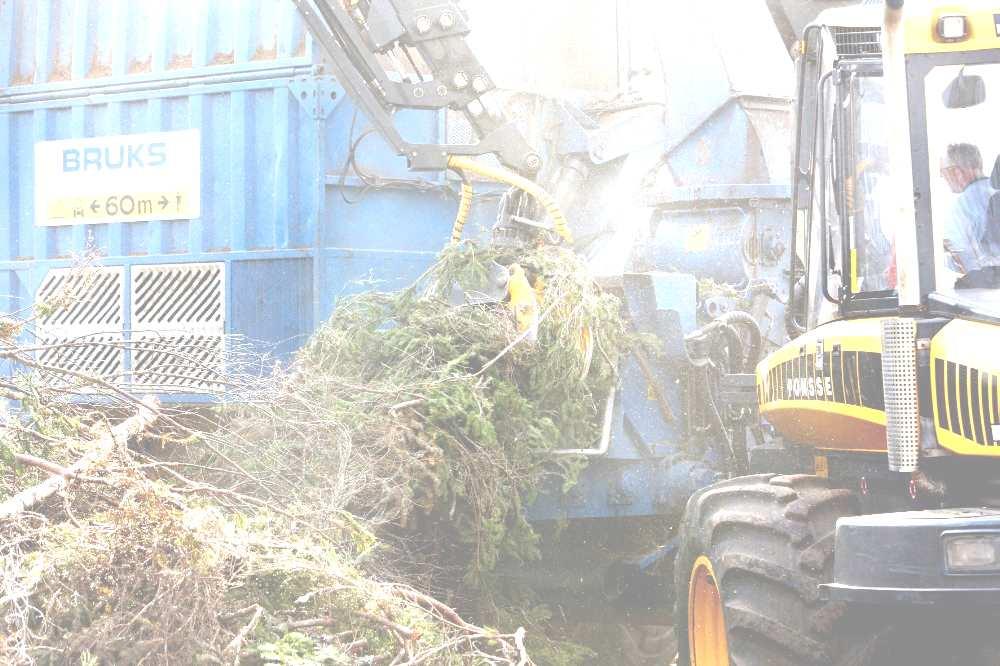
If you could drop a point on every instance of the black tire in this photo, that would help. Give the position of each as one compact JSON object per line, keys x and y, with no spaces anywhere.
{"x":770,"y":542}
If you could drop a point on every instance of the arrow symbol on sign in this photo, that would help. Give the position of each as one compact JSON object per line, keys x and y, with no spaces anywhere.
{"x":163,"y":202}
{"x":94,"y":206}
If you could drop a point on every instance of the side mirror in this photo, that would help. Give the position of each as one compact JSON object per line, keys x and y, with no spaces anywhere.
{"x":965,"y":91}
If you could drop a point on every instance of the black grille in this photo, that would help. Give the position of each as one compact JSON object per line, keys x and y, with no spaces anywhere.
{"x":968,"y":403}
{"x":857,"y":42}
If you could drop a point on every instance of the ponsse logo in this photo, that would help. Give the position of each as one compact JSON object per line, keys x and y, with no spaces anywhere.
{"x":844,"y":376}
{"x":798,"y":388}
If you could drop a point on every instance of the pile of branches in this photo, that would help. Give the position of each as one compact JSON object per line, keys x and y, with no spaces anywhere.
{"x":429,"y":413}
{"x":114,"y":566}
{"x":296,"y":523}
{"x":109,"y":553}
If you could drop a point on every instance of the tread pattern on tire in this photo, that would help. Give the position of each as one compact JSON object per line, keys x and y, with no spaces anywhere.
{"x":770,"y":540}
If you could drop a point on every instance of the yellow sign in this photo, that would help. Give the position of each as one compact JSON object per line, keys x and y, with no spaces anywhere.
{"x":144,"y":205}
{"x":124,"y":178}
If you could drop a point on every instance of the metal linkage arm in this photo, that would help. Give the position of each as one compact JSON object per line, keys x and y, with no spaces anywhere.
{"x":412,"y":54}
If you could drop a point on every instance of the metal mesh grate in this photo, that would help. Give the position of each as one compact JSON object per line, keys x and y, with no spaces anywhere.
{"x":188,"y":294}
{"x":178,"y":324}
{"x":75,"y":299}
{"x":857,"y":42}
{"x":177,"y":362}
{"x":80,"y":320}
{"x":98,"y":355}
{"x":902,"y":402}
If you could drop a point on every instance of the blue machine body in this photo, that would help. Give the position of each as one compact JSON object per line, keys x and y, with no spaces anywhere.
{"x":719,"y":211}
{"x":295,"y":229}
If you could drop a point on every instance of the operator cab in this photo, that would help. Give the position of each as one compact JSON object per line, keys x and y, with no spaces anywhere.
{"x":846,"y":219}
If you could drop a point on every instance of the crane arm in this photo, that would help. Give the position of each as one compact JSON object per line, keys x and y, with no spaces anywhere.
{"x":412,"y":54}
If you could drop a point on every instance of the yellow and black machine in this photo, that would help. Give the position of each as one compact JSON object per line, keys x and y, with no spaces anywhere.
{"x":879,"y":494}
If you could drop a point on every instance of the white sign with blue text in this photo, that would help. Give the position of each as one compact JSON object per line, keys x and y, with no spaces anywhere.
{"x":124,"y":178}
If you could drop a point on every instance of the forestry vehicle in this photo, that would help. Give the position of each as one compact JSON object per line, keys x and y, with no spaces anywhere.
{"x":878,"y":495}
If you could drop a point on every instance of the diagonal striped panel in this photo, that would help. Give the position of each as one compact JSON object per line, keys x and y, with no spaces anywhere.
{"x":178,"y":327}
{"x":179,"y":294}
{"x":80,"y":322}
{"x":177,"y":362}
{"x":81,"y":298}
{"x":98,"y":356}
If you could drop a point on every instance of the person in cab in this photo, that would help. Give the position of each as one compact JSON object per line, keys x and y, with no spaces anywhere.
{"x":966,"y":241}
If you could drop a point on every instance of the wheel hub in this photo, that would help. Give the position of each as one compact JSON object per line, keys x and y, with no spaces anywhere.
{"x":706,"y":622}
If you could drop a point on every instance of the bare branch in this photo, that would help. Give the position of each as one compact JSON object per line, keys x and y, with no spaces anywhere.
{"x":98,"y":451}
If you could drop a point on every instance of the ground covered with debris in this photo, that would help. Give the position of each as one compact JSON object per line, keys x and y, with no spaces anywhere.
{"x":352,"y":508}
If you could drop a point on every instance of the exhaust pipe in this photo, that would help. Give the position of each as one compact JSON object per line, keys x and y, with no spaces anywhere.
{"x":899,"y":343}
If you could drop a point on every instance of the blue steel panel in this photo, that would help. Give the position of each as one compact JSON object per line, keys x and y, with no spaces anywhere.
{"x":677,"y":292}
{"x":389,"y":219}
{"x":21,"y":207}
{"x":705,"y":242}
{"x":259,"y":173}
{"x":238,"y":148}
{"x":619,"y":489}
{"x":693,"y":65}
{"x":14,"y":295}
{"x":346,"y":125}
{"x":777,"y":191}
{"x":346,"y":272}
{"x":643,"y":430}
{"x":711,"y":240}
{"x":67,"y":43}
{"x":277,"y":314}
{"x":720,"y":151}
{"x":7,"y":222}
{"x":41,"y":235}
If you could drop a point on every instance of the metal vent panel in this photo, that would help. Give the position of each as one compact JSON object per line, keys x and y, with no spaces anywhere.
{"x":902,"y":401}
{"x":99,"y":355}
{"x":177,"y":362}
{"x":857,"y":42}
{"x":178,"y":327}
{"x":81,"y":299}
{"x":179,"y":295}
{"x":80,"y":321}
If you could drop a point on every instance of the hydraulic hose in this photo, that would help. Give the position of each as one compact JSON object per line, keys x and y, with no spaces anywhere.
{"x":464,"y":206}
{"x":550,"y":205}
{"x":752,"y":328}
{"x":750,"y":354}
{"x":737,"y":352}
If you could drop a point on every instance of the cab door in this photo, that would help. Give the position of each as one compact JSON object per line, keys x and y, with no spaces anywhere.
{"x":844,"y":248}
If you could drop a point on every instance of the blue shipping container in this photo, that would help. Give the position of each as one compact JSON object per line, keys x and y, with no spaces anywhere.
{"x":279,"y":231}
